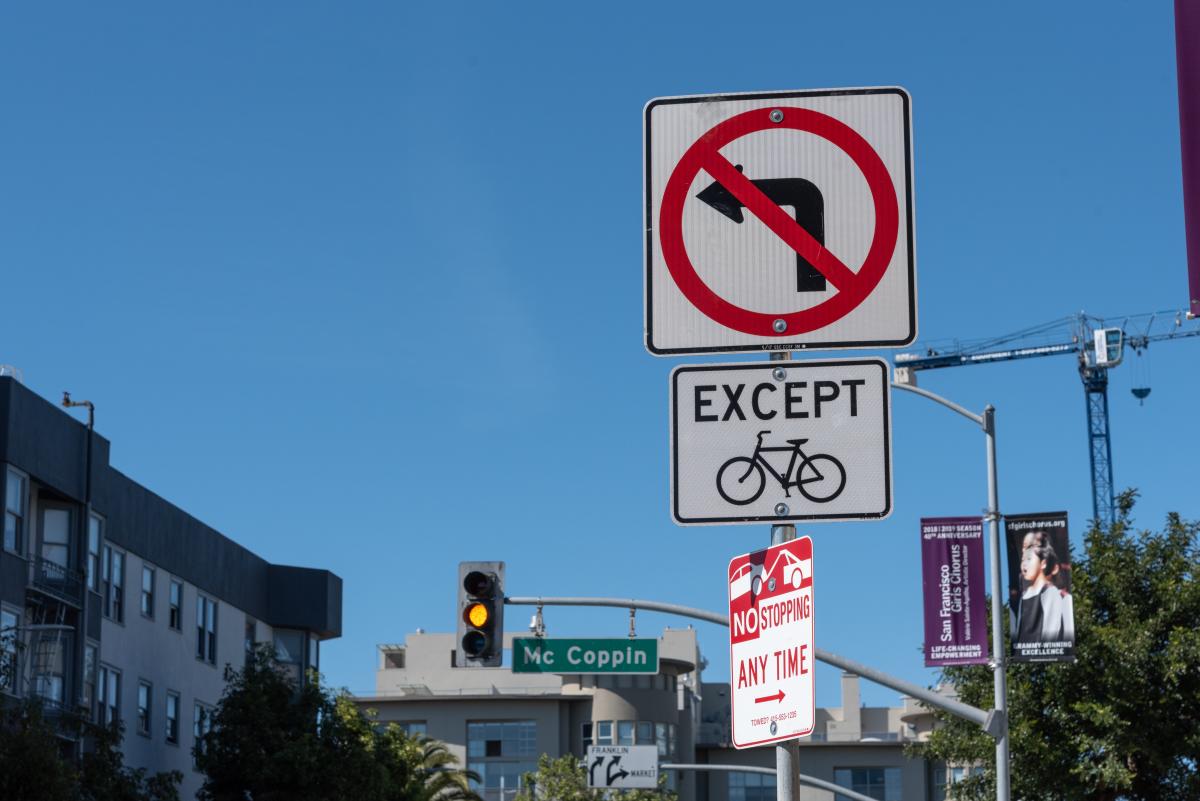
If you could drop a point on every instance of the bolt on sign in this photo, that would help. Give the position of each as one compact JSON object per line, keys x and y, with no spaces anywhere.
{"x":779,"y":220}
{"x":771,"y":643}
{"x":781,"y":441}
{"x":540,"y":655}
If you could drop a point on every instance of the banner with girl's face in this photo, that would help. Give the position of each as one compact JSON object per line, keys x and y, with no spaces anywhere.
{"x":952,"y":572}
{"x":1041,"y":614}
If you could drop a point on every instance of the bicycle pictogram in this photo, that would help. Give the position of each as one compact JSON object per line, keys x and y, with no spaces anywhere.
{"x":820,"y":477}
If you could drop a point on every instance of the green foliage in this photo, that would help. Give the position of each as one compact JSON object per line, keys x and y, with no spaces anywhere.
{"x":274,"y":741}
{"x":1121,"y":722}
{"x":103,"y":777}
{"x":565,"y":779}
{"x":31,"y":759}
{"x":36,"y":763}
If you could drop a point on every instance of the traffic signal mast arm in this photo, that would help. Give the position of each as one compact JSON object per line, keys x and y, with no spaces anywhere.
{"x":1098,"y":344}
{"x":988,"y":721}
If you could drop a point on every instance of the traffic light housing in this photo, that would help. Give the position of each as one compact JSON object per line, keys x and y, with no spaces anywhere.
{"x":480,"y":614}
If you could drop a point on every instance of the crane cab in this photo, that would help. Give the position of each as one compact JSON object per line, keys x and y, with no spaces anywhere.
{"x":1109,"y":344}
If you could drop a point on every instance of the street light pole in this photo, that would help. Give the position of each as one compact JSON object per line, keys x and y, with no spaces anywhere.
{"x":998,"y":727}
{"x":999,"y":679}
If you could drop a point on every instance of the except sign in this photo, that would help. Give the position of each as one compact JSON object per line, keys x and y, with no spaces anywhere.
{"x":538,"y":655}
{"x":622,"y":767}
{"x":771,"y":643}
{"x":825,"y":257}
{"x":778,"y":441}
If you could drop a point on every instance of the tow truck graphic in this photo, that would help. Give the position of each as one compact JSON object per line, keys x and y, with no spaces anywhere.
{"x":749,"y":578}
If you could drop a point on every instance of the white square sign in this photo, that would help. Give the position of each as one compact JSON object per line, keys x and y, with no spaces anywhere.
{"x":779,"y":220}
{"x":622,"y":767}
{"x":781,"y":441}
{"x":771,"y":648}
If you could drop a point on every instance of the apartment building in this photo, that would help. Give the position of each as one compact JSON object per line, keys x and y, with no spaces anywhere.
{"x":116,"y":603}
{"x":498,"y":723}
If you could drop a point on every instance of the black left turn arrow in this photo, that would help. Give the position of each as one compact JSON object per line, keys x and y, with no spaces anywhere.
{"x":803,"y":196}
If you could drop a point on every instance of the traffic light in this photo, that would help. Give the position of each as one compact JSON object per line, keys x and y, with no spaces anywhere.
{"x":480,"y":614}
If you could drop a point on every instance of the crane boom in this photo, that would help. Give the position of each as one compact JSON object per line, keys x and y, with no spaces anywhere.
{"x":1077,"y":334}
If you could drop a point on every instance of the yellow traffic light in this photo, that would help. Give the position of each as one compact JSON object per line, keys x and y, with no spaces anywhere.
{"x":477,"y":614}
{"x":481,"y":614}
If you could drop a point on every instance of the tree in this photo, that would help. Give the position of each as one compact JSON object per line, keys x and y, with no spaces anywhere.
{"x":565,"y":779}
{"x":103,"y":777}
{"x":430,"y":770}
{"x":275,"y":741}
{"x":31,"y":760}
{"x":1120,"y":722}
{"x":35,"y":761}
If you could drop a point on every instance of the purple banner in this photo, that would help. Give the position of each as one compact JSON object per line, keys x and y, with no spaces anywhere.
{"x":952,"y":575}
{"x":1187,"y":54}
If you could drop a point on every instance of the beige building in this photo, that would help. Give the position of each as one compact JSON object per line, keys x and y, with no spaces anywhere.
{"x":498,"y":723}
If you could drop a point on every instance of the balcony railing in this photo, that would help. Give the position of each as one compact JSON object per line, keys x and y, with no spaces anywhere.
{"x":63,"y":583}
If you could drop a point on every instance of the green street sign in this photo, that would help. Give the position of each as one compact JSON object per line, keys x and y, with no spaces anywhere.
{"x":537,"y":655}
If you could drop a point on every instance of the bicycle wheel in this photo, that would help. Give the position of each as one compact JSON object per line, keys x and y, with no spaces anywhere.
{"x":821,"y":478}
{"x":740,"y":481}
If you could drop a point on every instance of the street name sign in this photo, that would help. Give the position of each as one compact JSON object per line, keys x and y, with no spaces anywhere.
{"x":781,"y":441}
{"x":778,"y":221}
{"x":616,"y":655}
{"x":622,"y":767}
{"x":771,"y":643}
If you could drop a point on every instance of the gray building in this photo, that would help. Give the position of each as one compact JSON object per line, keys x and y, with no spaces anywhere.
{"x":118,"y":604}
{"x":498,"y":723}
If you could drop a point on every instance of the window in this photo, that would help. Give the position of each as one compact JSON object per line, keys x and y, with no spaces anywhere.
{"x":624,"y":732}
{"x":393,"y":659}
{"x":172,"y":717}
{"x":175,"y":618}
{"x":109,"y":688}
{"x":604,"y":732}
{"x":314,"y":653}
{"x":289,"y":653}
{"x":95,"y":534}
{"x":664,"y":737}
{"x":751,"y":786}
{"x":56,"y":536}
{"x":586,"y":736}
{"x":112,"y":573}
{"x":501,"y":752}
{"x":881,"y":783}
{"x":201,"y":725}
{"x":143,"y":709}
{"x":148,"y":591}
{"x":88,"y":689}
{"x":251,"y":635}
{"x":411,"y":727}
{"x":8,"y":651}
{"x":14,"y":512}
{"x":48,"y":665}
{"x":206,"y":629}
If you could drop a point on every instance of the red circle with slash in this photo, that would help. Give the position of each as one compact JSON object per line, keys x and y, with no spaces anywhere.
{"x":853,"y":287}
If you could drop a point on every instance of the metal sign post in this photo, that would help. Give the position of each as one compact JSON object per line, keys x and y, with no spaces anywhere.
{"x":787,"y":753}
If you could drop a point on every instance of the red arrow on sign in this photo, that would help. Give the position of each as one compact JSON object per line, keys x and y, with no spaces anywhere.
{"x":776,"y":697}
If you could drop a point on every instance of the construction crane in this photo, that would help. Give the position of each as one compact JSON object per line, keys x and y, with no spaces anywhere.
{"x":1098,"y":344}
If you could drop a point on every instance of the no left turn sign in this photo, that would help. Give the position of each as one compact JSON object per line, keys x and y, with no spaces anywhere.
{"x":778,"y":221}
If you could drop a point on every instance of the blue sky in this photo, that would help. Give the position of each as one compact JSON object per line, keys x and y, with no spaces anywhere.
{"x":361,"y":286}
